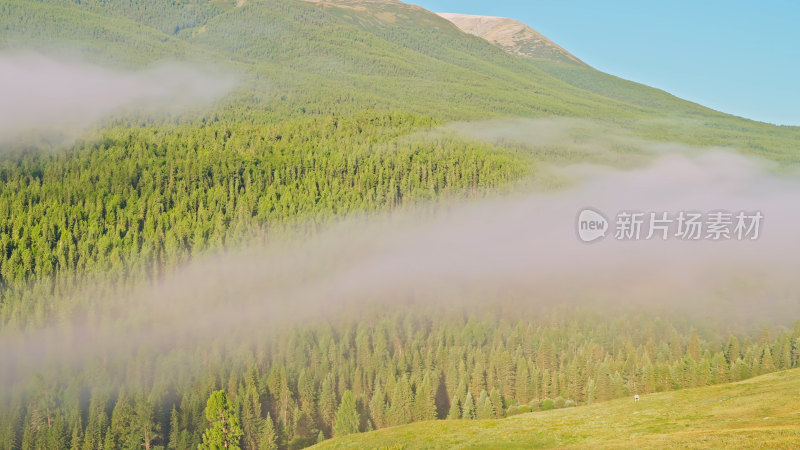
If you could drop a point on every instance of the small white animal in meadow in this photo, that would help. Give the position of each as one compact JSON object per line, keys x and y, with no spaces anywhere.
{"x":636,"y":398}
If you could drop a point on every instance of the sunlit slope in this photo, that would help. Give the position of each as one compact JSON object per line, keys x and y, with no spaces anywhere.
{"x":512,"y":36}
{"x":389,"y":56}
{"x":298,"y":58}
{"x":321,"y":57}
{"x":749,"y":414}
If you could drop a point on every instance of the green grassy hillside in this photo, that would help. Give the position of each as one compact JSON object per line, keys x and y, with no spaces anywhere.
{"x":749,"y":414}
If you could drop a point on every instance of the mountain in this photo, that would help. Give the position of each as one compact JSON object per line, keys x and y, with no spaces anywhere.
{"x":341,"y":56}
{"x":512,"y":36}
{"x":748,"y":414}
{"x":128,"y":252}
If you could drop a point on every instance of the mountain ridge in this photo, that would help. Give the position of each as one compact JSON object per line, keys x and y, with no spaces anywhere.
{"x":512,"y":36}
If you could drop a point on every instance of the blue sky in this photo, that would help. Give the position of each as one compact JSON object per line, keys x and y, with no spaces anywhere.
{"x":738,"y":57}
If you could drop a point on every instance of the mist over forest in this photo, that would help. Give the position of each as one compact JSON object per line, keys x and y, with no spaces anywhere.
{"x":267,"y":224}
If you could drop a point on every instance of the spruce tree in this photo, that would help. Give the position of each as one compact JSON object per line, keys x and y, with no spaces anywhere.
{"x":400,"y":407}
{"x":327,"y":403}
{"x":497,"y":402}
{"x":523,"y":394}
{"x":224,"y":431}
{"x":347,"y":418}
{"x":268,"y":440}
{"x":377,"y":407}
{"x":455,"y":409}
{"x":484,"y":409}
{"x":424,"y":403}
{"x":469,"y":408}
{"x":144,"y":427}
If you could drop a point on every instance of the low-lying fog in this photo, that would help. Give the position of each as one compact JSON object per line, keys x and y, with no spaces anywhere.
{"x":51,"y":99}
{"x":522,"y":248}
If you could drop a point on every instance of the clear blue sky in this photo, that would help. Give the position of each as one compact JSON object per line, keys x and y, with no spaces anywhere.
{"x":738,"y":57}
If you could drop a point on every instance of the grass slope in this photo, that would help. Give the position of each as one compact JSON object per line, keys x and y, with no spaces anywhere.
{"x":761,"y":411}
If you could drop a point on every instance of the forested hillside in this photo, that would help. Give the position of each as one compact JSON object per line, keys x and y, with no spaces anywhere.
{"x":136,"y":202}
{"x":396,"y":368}
{"x":341,"y":109}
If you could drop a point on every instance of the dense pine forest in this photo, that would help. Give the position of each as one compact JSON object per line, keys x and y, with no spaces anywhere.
{"x":134,"y":202}
{"x":341,"y":110}
{"x":346,"y":376}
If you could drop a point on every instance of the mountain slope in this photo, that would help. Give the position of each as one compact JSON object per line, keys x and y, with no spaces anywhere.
{"x":56,"y":27}
{"x":746,"y":414}
{"x":340,"y":57}
{"x":342,"y":111}
{"x":512,"y":36}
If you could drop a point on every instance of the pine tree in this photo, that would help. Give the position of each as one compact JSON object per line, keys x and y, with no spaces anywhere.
{"x":327,"y":403}
{"x":98,"y":423}
{"x":251,"y":415}
{"x":307,"y":392}
{"x":377,"y":407}
{"x":604,"y":390}
{"x":484,"y":409}
{"x":268,"y":440}
{"x":688,"y":376}
{"x":523,"y":393}
{"x":767,"y":364}
{"x":694,"y":346}
{"x":108,"y":440}
{"x":720,"y":368}
{"x":784,"y":349}
{"x":648,"y":378}
{"x":77,"y":436}
{"x":547,"y":385}
{"x":497,"y":402}
{"x":303,"y":428}
{"x":424,"y":404}
{"x":400,"y":407}
{"x":704,"y":373}
{"x":591,"y":391}
{"x":224,"y":431}
{"x":122,"y":423}
{"x":174,"y":429}
{"x":796,"y":352}
{"x":347,"y":418}
{"x":144,"y":425}
{"x":469,"y":408}
{"x":732,"y":350}
{"x":455,"y":409}
{"x":546,"y":356}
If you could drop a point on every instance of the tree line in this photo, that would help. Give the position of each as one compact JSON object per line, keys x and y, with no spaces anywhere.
{"x":354,"y":374}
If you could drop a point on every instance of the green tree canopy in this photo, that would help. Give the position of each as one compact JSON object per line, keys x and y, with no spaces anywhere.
{"x":224,"y":431}
{"x":346,"y":416}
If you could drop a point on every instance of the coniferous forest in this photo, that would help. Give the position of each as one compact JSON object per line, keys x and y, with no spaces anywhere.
{"x":340,"y":110}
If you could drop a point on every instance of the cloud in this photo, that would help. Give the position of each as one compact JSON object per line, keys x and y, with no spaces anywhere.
{"x":521,"y":250}
{"x":52,"y":100}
